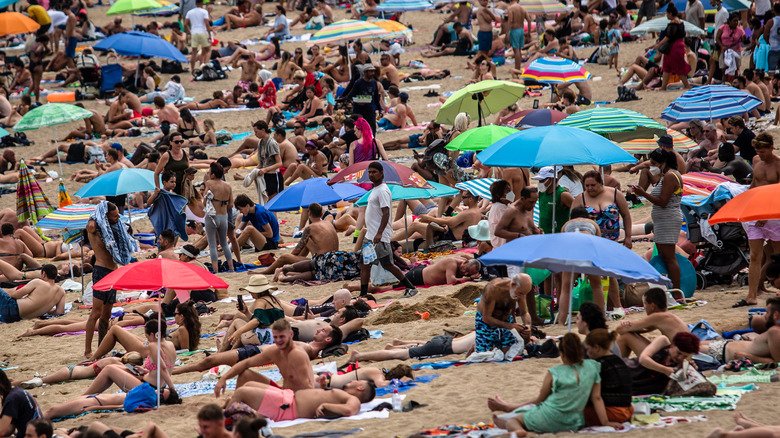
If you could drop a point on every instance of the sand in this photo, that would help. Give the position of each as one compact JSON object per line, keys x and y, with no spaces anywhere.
{"x":458,"y":395}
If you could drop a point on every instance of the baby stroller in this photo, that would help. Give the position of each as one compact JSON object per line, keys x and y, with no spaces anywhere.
{"x":722,"y":249}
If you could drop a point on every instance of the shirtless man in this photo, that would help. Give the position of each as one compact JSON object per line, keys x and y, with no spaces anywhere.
{"x":317,"y":165}
{"x":445,"y":228}
{"x":11,"y":247}
{"x":518,"y":219}
{"x":517,"y":18}
{"x":441,"y":345}
{"x":104,"y":264}
{"x":396,"y":116}
{"x":445,"y":271}
{"x":316,"y":62}
{"x":167,"y":245}
{"x":766,"y":170}
{"x":658,"y":318}
{"x":94,"y":127}
{"x":494,"y":322}
{"x":388,"y":74}
{"x":764,"y":348}
{"x":167,"y":111}
{"x":34,"y":299}
{"x":298,"y":138}
{"x":283,"y":404}
{"x":710,"y":142}
{"x":461,"y":15}
{"x":249,"y":68}
{"x":117,"y":117}
{"x":291,"y":359}
{"x":131,"y":100}
{"x":485,"y":20}
{"x":517,"y":177}
{"x":70,"y":35}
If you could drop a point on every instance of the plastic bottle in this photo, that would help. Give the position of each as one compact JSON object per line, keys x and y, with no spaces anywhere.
{"x":396,"y":401}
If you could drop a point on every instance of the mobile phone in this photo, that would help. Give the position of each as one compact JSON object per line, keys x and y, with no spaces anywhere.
{"x":536,"y":103}
{"x":240,"y":303}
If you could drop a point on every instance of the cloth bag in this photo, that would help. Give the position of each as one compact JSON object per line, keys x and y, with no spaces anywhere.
{"x":689,"y":382}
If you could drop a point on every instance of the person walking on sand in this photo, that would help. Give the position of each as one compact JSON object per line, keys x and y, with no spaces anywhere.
{"x":198,"y":26}
{"x":485,"y":20}
{"x":517,"y":18}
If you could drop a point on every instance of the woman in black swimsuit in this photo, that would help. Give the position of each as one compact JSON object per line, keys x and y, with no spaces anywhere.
{"x":311,"y":108}
{"x":187,"y":125}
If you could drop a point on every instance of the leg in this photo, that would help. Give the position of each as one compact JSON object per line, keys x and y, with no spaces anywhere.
{"x":251,"y":233}
{"x":211,"y":237}
{"x":629,"y":342}
{"x":380,"y":355}
{"x":110,"y":375}
{"x":118,"y":334}
{"x":229,"y":358}
{"x":754,"y":270}
{"x":564,"y":300}
{"x":223,"y":241}
{"x":105,"y":316}
{"x":249,"y":376}
{"x":94,"y":314}
{"x":283,"y":260}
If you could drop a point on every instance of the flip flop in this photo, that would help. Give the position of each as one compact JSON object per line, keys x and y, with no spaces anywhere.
{"x":743,"y":303}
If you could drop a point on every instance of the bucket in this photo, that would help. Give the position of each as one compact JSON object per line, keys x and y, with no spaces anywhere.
{"x":147,"y":238}
{"x":68,"y":96}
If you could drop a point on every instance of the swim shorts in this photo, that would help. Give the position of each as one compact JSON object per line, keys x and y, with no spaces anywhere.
{"x":422,"y":209}
{"x":278,"y":404}
{"x":386,"y":124}
{"x":336,"y":265}
{"x":415,"y":275}
{"x":414,"y":141}
{"x":770,"y":230}
{"x":717,"y":349}
{"x":647,"y":8}
{"x":438,"y":346}
{"x":517,"y":38}
{"x":70,"y":49}
{"x":248,"y":351}
{"x":106,"y":296}
{"x":485,"y":41}
{"x":76,"y":153}
{"x":198,"y":40}
{"x":489,"y":337}
{"x":9,"y":308}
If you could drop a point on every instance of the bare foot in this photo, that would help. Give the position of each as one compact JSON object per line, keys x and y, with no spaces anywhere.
{"x":716,"y":433}
{"x":499,"y":422}
{"x":744,"y":421}
{"x":397,"y":341}
{"x":350,"y":230}
{"x":277,"y":275}
{"x":29,"y":332}
{"x":219,"y":344}
{"x":354,"y":357}
{"x":498,"y":404}
{"x":238,"y":177}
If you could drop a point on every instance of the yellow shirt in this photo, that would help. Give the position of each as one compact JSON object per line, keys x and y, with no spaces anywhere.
{"x":39,"y":14}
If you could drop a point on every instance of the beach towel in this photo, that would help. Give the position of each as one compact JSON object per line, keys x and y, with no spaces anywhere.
{"x":405,"y":386}
{"x":365,"y":413}
{"x":118,"y":243}
{"x":751,"y":376}
{"x":722,"y":402}
{"x":167,"y":213}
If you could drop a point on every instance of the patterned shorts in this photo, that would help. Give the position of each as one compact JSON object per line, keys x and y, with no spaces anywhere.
{"x":336,"y":265}
{"x":489,"y":337}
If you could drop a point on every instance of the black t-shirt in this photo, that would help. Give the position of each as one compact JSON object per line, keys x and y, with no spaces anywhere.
{"x":349,"y":137}
{"x":744,"y":142}
{"x":21,"y":407}
{"x":615,"y":381}
{"x":365,"y":88}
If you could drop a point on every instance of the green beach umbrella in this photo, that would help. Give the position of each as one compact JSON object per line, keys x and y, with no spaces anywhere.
{"x":480,"y":100}
{"x":130,"y":6}
{"x":51,"y":115}
{"x":480,"y":138}
{"x":617,"y":124}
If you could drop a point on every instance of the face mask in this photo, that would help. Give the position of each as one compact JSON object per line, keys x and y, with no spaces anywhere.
{"x":655,"y":170}
{"x":510,"y":196}
{"x":541,"y":186}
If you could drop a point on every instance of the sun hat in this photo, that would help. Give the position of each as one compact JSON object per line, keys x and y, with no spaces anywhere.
{"x":257,"y":284}
{"x":480,"y":231}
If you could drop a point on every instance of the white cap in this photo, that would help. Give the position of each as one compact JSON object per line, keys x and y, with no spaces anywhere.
{"x":547,"y":172}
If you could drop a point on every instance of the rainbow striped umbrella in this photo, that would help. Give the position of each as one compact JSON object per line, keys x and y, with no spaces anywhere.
{"x":393,"y":29}
{"x":543,"y":6}
{"x":64,"y":196}
{"x":555,"y":70}
{"x":682,"y":143}
{"x":617,"y":124}
{"x":31,"y":203}
{"x":71,"y":217}
{"x":404,"y":5}
{"x":344,"y":31}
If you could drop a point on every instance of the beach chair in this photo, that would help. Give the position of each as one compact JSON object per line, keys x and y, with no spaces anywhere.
{"x":111,"y":74}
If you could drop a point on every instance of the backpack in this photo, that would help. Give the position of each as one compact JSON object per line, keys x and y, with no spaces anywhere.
{"x":171,"y":67}
{"x":211,"y":72}
{"x":95,"y":153}
{"x":626,"y":94}
{"x":224,"y":137}
{"x":600,"y":55}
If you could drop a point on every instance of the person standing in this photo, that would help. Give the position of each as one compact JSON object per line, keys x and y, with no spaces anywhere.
{"x":673,"y":44}
{"x":364,"y":88}
{"x":269,"y":159}
{"x":485,"y":20}
{"x":379,"y":230}
{"x":218,"y":199}
{"x":175,"y":161}
{"x":772,"y":36}
{"x":198,"y":26}
{"x":70,"y":35}
{"x":694,"y":13}
{"x":517,"y":18}
{"x":550,"y":195}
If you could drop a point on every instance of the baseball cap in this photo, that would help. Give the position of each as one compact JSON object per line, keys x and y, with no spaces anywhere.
{"x":546,"y":172}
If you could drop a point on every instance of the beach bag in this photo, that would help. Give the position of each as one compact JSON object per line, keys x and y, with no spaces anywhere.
{"x":266,"y":259}
{"x":223,"y":137}
{"x":95,"y":153}
{"x":633,"y":293}
{"x":704,"y":331}
{"x":171,"y":67}
{"x":664,"y":48}
{"x":626,"y":94}
{"x":141,"y":398}
{"x":689,"y":382}
{"x":208,"y":73}
{"x":381,"y":276}
{"x":544,"y":306}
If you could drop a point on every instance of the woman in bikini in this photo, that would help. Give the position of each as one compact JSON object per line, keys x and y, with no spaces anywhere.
{"x":104,"y":402}
{"x":187,"y":125}
{"x":175,"y":161}
{"x":217,"y":101}
{"x":208,"y":138}
{"x":253,"y":18}
{"x":246,"y":326}
{"x":43,"y":249}
{"x":36,"y":53}
{"x":22,"y":77}
{"x":219,"y":197}
{"x":80,"y":372}
{"x":56,"y":326}
{"x":338,"y":70}
{"x":287,"y":67}
{"x":146,"y":373}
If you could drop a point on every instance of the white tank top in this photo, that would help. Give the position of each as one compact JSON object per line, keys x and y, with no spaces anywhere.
{"x":774,"y":34}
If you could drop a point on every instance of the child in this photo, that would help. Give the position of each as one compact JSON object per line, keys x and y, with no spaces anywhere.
{"x":614,"y":38}
{"x":252,"y":98}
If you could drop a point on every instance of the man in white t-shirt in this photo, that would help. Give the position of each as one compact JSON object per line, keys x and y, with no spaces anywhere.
{"x":763,"y":7}
{"x":379,"y":230}
{"x":694,"y":13}
{"x":198,"y":27}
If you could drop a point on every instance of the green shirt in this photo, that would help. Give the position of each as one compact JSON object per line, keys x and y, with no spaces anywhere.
{"x":545,"y":211}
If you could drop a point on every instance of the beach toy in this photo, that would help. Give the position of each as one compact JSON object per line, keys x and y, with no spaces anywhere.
{"x":68,"y":96}
{"x":424,"y":315}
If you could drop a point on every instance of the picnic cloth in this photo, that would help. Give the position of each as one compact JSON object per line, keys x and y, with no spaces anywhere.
{"x":118,"y":243}
{"x":751,"y":376}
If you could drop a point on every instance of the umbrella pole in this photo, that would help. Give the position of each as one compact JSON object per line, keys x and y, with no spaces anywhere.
{"x":70,"y":262}
{"x":159,"y":341}
{"x":56,"y":149}
{"x":82,"y":271}
{"x":571,"y":299}
{"x":406,"y":229}
{"x":479,"y":109}
{"x":129,"y":216}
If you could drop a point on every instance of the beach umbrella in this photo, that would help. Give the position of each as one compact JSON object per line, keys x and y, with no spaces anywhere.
{"x":31,"y":203}
{"x":478,"y":139}
{"x":64,"y":196}
{"x":312,"y":190}
{"x":136,"y":43}
{"x":344,"y":31}
{"x":401,"y":193}
{"x":14,"y":23}
{"x":3,"y":133}
{"x":480,"y":100}
{"x":730,"y":5}
{"x":555,"y":70}
{"x":617,"y":124}
{"x":575,"y":253}
{"x":393,"y":30}
{"x":130,"y":6}
{"x":682,"y":143}
{"x":756,"y":204}
{"x":479,"y":187}
{"x":553,"y":145}
{"x":702,"y":183}
{"x":404,"y":5}
{"x":6,"y":3}
{"x":166,"y":9}
{"x":71,"y":219}
{"x":118,"y":182}
{"x":51,"y":115}
{"x":537,"y":117}
{"x":543,"y":7}
{"x":710,"y":102}
{"x":659,"y":25}
{"x":394,"y":174}
{"x":157,"y":274}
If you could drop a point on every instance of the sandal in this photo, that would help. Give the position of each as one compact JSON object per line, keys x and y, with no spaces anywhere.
{"x":743,"y":303}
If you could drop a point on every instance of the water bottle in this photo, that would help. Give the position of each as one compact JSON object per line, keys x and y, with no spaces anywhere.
{"x":396,"y":401}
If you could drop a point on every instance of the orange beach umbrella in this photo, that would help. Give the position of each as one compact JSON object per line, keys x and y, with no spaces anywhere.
{"x":756,"y":204}
{"x":12,"y":23}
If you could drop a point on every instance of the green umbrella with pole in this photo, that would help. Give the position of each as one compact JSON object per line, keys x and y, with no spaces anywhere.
{"x":51,"y":115}
{"x":480,"y":100}
{"x":130,"y":6}
{"x":480,"y":138}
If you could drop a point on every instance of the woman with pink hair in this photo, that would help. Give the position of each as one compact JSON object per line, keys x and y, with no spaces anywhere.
{"x":366,"y":147}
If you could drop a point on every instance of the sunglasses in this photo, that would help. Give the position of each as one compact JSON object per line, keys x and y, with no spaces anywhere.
{"x":177,"y":141}
{"x":298,"y":127}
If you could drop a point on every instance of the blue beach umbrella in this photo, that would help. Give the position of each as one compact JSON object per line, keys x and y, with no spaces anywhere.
{"x":553,"y":145}
{"x":141,"y":44}
{"x":400,"y":192}
{"x":710,"y":102}
{"x":576,"y":253}
{"x":312,"y":190}
{"x":404,"y":5}
{"x":118,"y":182}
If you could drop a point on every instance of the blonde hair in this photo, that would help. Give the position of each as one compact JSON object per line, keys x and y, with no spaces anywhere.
{"x":339,"y":116}
{"x":462,"y":121}
{"x":299,"y":74}
{"x":208,"y":123}
{"x":133,"y":358}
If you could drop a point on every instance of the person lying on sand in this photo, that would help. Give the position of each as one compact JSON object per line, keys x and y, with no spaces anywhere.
{"x":80,"y":372}
{"x":380,"y":378}
{"x":98,"y":402}
{"x":746,"y":428}
{"x":658,"y":318}
{"x":36,"y":298}
{"x":764,"y":348}
{"x":51,"y":327}
{"x":441,"y":345}
{"x":33,"y":270}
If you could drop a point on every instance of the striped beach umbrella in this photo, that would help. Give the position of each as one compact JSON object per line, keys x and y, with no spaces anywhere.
{"x":394,"y":174}
{"x":64,"y":196}
{"x":129,"y":6}
{"x":31,"y":203}
{"x":659,"y":25}
{"x":682,"y":143}
{"x":404,"y":5}
{"x":400,"y":192}
{"x":543,"y":6}
{"x":345,"y":31}
{"x":479,"y":187}
{"x":393,"y":30}
{"x":71,"y":217}
{"x":617,"y":124}
{"x":702,"y":183}
{"x":531,"y":118}
{"x":710,"y":102}
{"x":555,"y":70}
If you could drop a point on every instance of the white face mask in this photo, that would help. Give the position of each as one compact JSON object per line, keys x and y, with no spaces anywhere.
{"x":541,"y":187}
{"x":510,"y":196}
{"x":655,"y":170}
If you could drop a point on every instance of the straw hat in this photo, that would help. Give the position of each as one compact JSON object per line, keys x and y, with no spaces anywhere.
{"x":480,"y":231}
{"x":258,"y":284}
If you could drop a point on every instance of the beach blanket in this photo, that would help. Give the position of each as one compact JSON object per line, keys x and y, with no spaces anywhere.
{"x":223,"y":110}
{"x":365,"y":413}
{"x":405,"y":386}
{"x":751,"y":376}
{"x":118,"y":243}
{"x":721,"y":402}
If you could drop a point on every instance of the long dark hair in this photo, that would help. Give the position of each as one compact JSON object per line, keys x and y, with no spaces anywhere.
{"x":186,"y":115}
{"x":191,"y":322}
{"x":249,"y":427}
{"x":664,"y":157}
{"x":5,"y":385}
